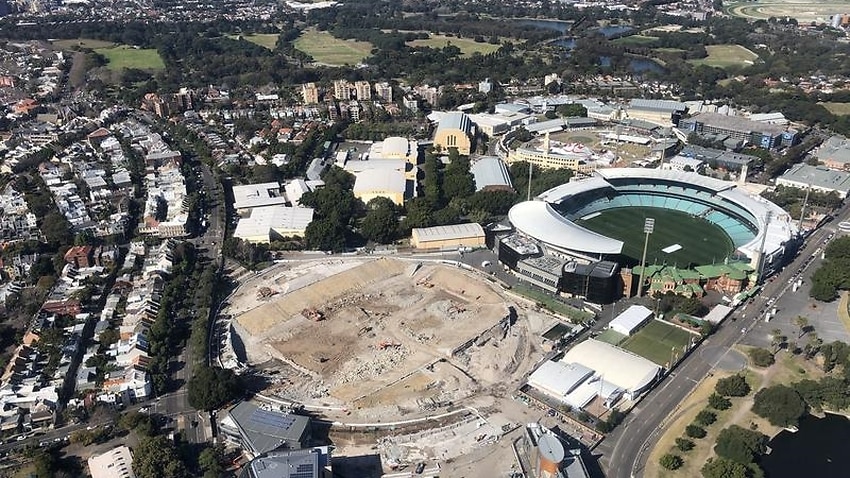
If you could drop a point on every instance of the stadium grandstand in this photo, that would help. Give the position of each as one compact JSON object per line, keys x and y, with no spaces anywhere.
{"x":577,"y":219}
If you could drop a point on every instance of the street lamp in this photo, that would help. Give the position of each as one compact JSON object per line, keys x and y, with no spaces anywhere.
{"x":648,"y":228}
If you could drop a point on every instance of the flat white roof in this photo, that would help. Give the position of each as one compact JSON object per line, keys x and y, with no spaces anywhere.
{"x":614,"y":365}
{"x":539,"y":220}
{"x":115,"y":463}
{"x":380,"y":180}
{"x":263,"y":220}
{"x":257,"y":195}
{"x":559,"y":378}
{"x":630,"y":319}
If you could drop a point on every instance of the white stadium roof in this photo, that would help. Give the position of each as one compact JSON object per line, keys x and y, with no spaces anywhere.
{"x":537,"y":219}
{"x":617,"y":366}
{"x":540,"y":221}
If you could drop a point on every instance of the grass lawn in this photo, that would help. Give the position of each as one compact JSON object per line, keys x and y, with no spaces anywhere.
{"x":838,"y":109}
{"x":702,"y":242}
{"x":267,"y":40}
{"x":656,"y":341}
{"x":549,"y":302}
{"x":87,"y":43}
{"x":325,"y":48}
{"x":724,"y":56}
{"x":611,"y":336}
{"x":467,"y":45}
{"x":639,"y":40}
{"x":125,"y":56}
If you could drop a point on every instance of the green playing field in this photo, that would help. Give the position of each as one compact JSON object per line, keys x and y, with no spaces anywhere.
{"x":702,"y":242}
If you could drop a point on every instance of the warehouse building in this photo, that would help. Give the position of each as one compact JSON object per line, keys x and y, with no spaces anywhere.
{"x":818,"y":178}
{"x":454,"y":130}
{"x":834,"y":153}
{"x":763,"y":135}
{"x":272,"y":223}
{"x":448,"y":237}
{"x":115,"y":463}
{"x":395,"y":147}
{"x":630,"y":320}
{"x":660,"y":112}
{"x":491,"y":174}
{"x":249,"y":196}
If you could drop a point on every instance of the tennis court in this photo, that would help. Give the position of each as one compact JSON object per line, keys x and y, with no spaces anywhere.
{"x":659,"y":342}
{"x":701,"y":241}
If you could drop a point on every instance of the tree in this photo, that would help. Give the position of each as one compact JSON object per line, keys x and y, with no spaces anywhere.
{"x":705,"y":418}
{"x":734,"y":386}
{"x":719,"y":402}
{"x":695,"y":431}
{"x":156,"y":457}
{"x":761,"y":357}
{"x":684,"y":444}
{"x":210,"y":388}
{"x":722,"y":468}
{"x":210,"y":460}
{"x":381,"y":221}
{"x":802,"y":324}
{"x":671,"y":461}
{"x":572,"y":109}
{"x":325,"y":235}
{"x":782,"y":406}
{"x":739,"y":444}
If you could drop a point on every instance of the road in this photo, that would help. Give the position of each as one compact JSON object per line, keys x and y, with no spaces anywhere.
{"x":626,"y":449}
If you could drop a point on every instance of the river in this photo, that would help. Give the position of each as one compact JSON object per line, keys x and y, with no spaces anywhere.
{"x":820,"y":449}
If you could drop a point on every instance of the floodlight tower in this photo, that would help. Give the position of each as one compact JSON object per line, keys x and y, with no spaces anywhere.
{"x":760,"y":270}
{"x":648,"y":228}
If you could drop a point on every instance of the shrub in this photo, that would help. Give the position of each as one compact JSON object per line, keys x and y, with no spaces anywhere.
{"x":684,"y":444}
{"x":705,"y":418}
{"x":761,"y":357}
{"x":671,"y":462}
{"x":719,"y":402}
{"x":695,"y":431}
{"x":734,"y":386}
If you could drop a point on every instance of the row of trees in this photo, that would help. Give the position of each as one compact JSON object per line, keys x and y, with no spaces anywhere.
{"x":834,"y":273}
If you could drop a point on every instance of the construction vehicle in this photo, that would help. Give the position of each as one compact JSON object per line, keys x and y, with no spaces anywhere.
{"x":313,"y":314}
{"x":385,"y":344}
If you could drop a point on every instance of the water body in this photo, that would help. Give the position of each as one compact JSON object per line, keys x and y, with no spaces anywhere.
{"x":568,"y":43}
{"x":645,"y":65}
{"x":819,"y":449}
{"x":613,"y":30}
{"x":559,"y":26}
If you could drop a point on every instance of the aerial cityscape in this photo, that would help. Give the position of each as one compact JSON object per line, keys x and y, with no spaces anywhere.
{"x":458,"y":239}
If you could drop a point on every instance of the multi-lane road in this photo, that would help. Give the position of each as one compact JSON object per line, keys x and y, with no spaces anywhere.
{"x":626,"y":450}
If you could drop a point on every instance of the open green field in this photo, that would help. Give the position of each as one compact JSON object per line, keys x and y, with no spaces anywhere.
{"x":656,"y":341}
{"x":638,"y":40}
{"x":266,"y":40}
{"x":467,"y":45}
{"x":85,"y":43}
{"x":724,"y":56}
{"x":804,"y":11}
{"x":125,"y":56}
{"x":838,"y":109}
{"x":326,"y":49}
{"x":702,"y":242}
{"x":611,"y":336}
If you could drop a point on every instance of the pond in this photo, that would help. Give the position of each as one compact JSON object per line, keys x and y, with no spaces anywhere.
{"x":613,"y":30}
{"x":819,"y":449}
{"x":560,"y":26}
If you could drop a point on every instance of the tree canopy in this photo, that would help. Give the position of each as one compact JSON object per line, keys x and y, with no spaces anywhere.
{"x":780,"y":405}
{"x":381,"y":222}
{"x":734,"y":386}
{"x":740,"y":445}
{"x":156,"y":457}
{"x":210,"y":388}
